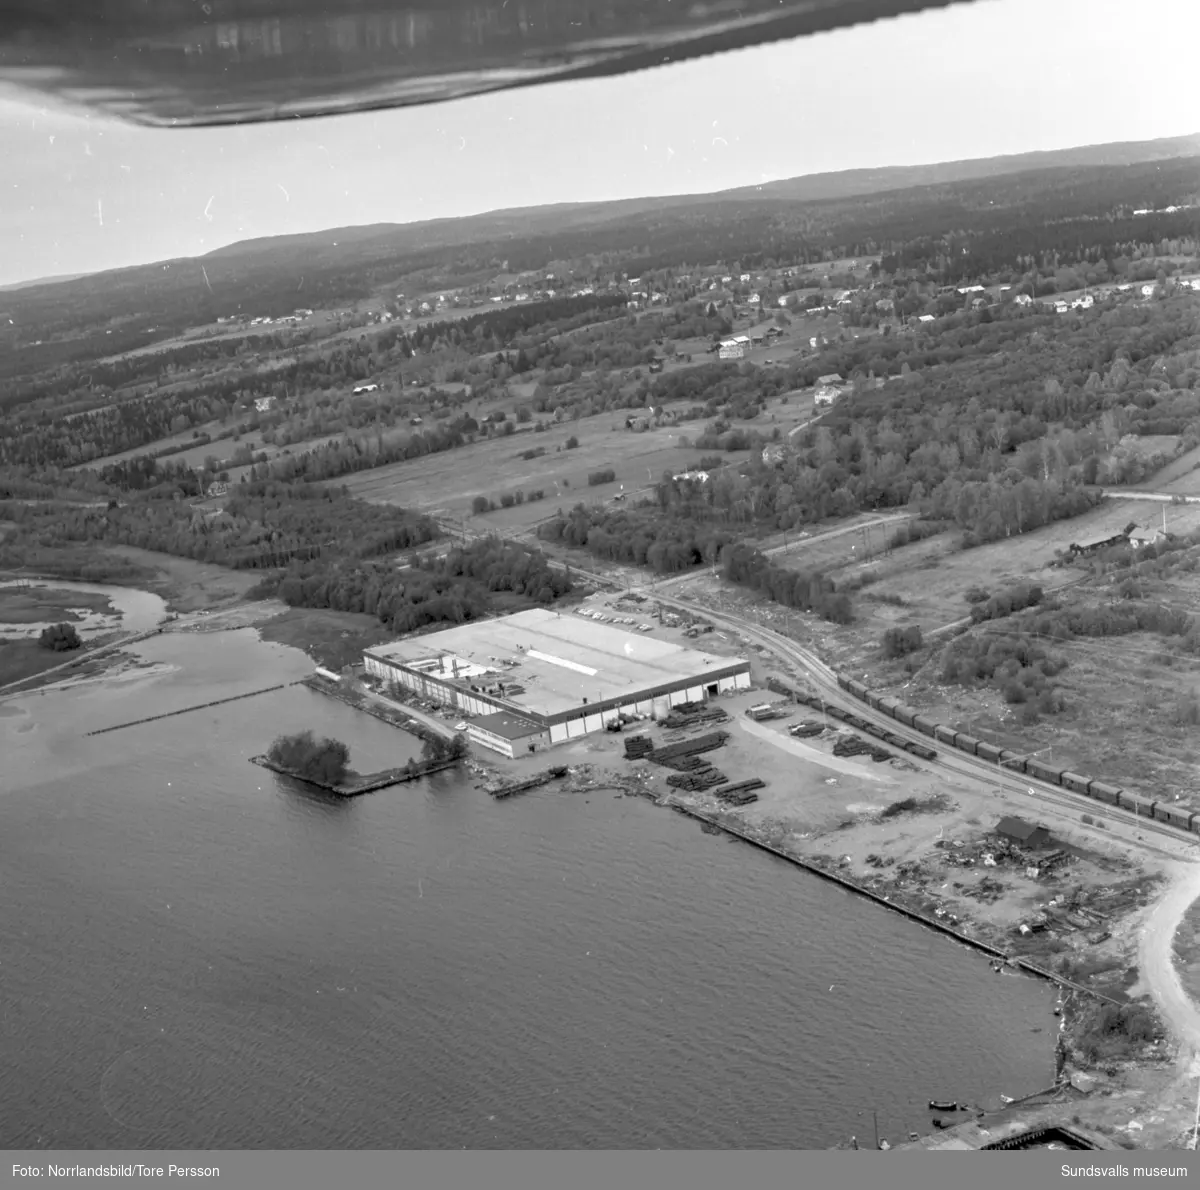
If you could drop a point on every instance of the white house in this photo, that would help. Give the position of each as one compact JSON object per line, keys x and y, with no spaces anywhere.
{"x":364,"y":388}
{"x":1023,"y":299}
{"x":826,"y":395}
{"x":1083,"y":303}
{"x":754,"y":299}
{"x":263,"y":404}
{"x":782,"y":301}
{"x":772,"y":454}
{"x":1147,"y":291}
{"x":926,"y":318}
{"x":744,"y":277}
{"x":731,"y":350}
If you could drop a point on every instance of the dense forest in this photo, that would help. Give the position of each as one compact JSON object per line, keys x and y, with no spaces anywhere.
{"x":264,"y":525}
{"x":453,"y":589}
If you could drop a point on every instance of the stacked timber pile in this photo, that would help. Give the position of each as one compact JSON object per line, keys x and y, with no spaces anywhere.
{"x":697,"y":780}
{"x":741,"y":792}
{"x":681,"y":716}
{"x":638,"y":746}
{"x":853,"y":746}
{"x":704,"y":743}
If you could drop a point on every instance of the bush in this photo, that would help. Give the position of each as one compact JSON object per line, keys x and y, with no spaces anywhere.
{"x":60,"y":638}
{"x":507,"y":500}
{"x":572,"y":442}
{"x":480,"y":505}
{"x":596,"y":478}
{"x":899,"y":642}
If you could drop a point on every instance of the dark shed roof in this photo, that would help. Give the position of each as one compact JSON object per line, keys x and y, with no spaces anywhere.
{"x":1022,"y":831}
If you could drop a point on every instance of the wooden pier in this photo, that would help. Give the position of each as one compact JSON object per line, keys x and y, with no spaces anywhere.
{"x":367,"y":784}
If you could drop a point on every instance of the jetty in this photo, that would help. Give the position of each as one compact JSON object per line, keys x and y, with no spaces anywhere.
{"x":202,"y":706}
{"x":932,"y":923}
{"x":544,"y":778}
{"x":364,"y":784}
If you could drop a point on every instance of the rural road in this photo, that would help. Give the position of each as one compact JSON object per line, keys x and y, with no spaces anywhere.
{"x":1156,"y":959}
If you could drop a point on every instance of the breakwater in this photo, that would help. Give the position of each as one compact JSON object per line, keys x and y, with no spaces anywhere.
{"x":216,"y":702}
{"x":851,"y":886}
{"x":26,"y":685}
{"x":368,"y":784}
{"x":543,"y":778}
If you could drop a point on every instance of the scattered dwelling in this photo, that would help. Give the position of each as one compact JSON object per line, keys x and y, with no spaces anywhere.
{"x":782,"y":301}
{"x":731,"y":349}
{"x":1061,"y":307}
{"x":263,"y":404}
{"x":1147,"y":291}
{"x":1019,"y":831}
{"x":743,"y":278}
{"x":508,"y":734}
{"x":1023,"y":299}
{"x":691,"y":477}
{"x":970,"y":289}
{"x":926,"y":318}
{"x":364,"y":388}
{"x":656,"y":365}
{"x":566,"y":675}
{"x":826,"y":395}
{"x":217,"y":489}
{"x":773,"y":454}
{"x":1083,"y":303}
{"x":833,"y":379}
{"x":754,"y":299}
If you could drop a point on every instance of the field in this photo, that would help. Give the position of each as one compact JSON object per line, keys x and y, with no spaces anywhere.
{"x":446,"y":484}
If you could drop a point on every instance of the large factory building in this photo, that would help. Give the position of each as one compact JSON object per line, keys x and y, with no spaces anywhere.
{"x":539,"y":678}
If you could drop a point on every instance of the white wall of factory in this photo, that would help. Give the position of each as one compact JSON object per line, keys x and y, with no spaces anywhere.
{"x":570,"y":725}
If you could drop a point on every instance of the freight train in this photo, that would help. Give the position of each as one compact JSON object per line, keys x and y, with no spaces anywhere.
{"x":1173,"y":815}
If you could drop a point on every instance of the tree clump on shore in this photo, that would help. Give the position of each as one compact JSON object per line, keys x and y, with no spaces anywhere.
{"x":435,"y":748}
{"x":324,"y":761}
{"x":60,"y":638}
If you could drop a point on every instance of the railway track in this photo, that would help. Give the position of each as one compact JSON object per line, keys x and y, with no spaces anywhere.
{"x":1174,"y":843}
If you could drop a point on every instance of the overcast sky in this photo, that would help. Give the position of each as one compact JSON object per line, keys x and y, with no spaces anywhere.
{"x":79,"y":193}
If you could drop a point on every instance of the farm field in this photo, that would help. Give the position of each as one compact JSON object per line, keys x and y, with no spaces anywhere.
{"x":447,"y":484}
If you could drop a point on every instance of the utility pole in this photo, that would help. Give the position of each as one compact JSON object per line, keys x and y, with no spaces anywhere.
{"x":875,"y":1119}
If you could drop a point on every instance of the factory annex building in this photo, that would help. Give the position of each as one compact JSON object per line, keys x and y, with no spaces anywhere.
{"x":539,"y":678}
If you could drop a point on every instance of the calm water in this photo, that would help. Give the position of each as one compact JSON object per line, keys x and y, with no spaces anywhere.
{"x":197,"y":953}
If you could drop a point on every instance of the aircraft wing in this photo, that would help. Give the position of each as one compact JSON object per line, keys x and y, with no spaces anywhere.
{"x":176,"y":63}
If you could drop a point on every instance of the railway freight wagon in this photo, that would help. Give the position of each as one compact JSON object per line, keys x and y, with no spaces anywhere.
{"x":1100,"y":791}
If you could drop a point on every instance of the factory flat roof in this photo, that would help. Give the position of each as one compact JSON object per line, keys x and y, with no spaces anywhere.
{"x":560,"y":660}
{"x":507,"y":726}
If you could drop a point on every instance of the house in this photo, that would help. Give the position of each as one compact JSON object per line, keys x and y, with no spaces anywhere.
{"x":754,"y":299}
{"x":1147,"y":291}
{"x":826,"y":395}
{"x":1061,"y":307}
{"x":926,"y":318}
{"x":656,"y":365}
{"x":756,"y":340}
{"x":978,"y":303}
{"x":773,"y":332}
{"x":832,"y":378}
{"x":731,"y":350}
{"x":744,"y":277}
{"x":970,"y":289}
{"x":1139,"y":540}
{"x":217,"y":489}
{"x":358,"y":389}
{"x":772,"y":454}
{"x":691,"y":477}
{"x":263,"y":404}
{"x":782,"y":301}
{"x":1017,"y":830}
{"x":1083,"y":303}
{"x":1023,"y":299}
{"x":637,"y":424}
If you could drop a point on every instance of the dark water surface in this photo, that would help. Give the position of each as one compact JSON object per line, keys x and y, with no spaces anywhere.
{"x":195,"y":952}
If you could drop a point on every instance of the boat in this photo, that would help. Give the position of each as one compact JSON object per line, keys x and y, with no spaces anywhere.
{"x":944,"y":1105}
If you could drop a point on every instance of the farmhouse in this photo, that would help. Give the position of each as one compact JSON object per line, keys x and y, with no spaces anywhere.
{"x":731,"y":349}
{"x":566,"y":676}
{"x":833,"y":378}
{"x":826,"y":395}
